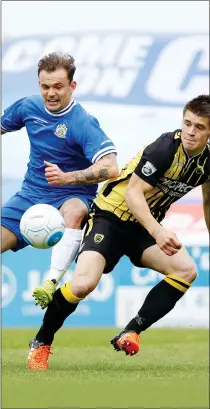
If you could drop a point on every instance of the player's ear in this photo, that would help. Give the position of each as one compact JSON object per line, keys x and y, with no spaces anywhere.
{"x":73,"y":85}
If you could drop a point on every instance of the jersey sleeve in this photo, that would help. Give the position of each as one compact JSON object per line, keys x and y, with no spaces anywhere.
{"x":156,"y":159}
{"x":95,"y":142}
{"x":13,"y":118}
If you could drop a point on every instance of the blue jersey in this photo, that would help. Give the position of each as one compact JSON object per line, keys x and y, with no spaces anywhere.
{"x":71,"y":139}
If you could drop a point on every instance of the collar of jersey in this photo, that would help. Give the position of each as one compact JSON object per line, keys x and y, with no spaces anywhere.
{"x":63,"y":111}
{"x":195,"y":156}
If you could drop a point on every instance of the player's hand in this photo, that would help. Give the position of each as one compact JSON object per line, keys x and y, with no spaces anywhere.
{"x":167,"y":241}
{"x":54,"y":175}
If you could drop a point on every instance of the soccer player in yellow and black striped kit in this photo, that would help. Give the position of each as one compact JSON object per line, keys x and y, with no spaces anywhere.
{"x":125,"y":220}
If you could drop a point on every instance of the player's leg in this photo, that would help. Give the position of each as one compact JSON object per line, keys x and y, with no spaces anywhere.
{"x":74,"y":211}
{"x":12,"y":212}
{"x":8,"y":239}
{"x":179,"y":271}
{"x":98,"y":254}
{"x":65,"y":300}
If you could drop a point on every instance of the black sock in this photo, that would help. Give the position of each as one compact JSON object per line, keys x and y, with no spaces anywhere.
{"x":159,"y":301}
{"x":57,"y":311}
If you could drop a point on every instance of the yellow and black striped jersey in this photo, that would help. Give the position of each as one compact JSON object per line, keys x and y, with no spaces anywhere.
{"x":163,"y":164}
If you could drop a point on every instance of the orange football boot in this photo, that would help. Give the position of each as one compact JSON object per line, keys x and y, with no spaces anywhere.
{"x":127,"y":342}
{"x":38,"y":355}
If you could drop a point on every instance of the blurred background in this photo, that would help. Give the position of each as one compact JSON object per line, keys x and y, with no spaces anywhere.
{"x":135,"y":72}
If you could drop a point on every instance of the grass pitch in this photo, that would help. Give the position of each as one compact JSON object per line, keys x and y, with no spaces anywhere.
{"x":171,"y":370}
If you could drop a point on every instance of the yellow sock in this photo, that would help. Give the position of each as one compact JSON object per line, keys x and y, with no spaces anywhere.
{"x":177,"y":282}
{"x":68,"y":295}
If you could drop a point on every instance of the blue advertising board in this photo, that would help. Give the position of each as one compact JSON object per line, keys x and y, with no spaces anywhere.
{"x":24,"y":270}
{"x":132,"y":67}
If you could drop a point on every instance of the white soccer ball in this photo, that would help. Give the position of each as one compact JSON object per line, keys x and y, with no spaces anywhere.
{"x":42,"y":226}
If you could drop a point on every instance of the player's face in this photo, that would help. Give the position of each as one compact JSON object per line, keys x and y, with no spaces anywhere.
{"x":56,"y":89}
{"x":195,"y":133}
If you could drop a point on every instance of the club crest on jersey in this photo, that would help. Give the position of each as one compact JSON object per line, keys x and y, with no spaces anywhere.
{"x":61,"y":131}
{"x":98,"y":238}
{"x":148,"y":169}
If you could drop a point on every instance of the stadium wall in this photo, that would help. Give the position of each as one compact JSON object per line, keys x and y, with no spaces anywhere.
{"x":136,"y":84}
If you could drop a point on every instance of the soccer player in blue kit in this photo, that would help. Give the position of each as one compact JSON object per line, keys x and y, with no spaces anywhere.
{"x":69,"y":155}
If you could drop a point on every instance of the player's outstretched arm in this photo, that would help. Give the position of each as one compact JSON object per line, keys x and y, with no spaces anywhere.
{"x":135,"y":199}
{"x":206,"y":203}
{"x":13,"y":117}
{"x":105,"y":168}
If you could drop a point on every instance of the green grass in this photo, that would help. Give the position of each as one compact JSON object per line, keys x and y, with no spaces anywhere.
{"x":171,"y":370}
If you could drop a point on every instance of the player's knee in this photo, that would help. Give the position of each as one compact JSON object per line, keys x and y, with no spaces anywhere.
{"x":188,"y":271}
{"x":191,"y":273}
{"x":73,"y":218}
{"x":8,"y":239}
{"x":83,"y":287}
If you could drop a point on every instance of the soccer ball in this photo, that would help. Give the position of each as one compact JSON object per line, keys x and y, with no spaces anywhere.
{"x":42,"y":226}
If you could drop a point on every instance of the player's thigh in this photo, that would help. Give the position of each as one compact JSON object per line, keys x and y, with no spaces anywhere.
{"x":12,"y":211}
{"x":103,"y":235}
{"x":138,"y":239}
{"x":74,"y":211}
{"x":180,"y":264}
{"x":89,"y":269}
{"x":8,"y":239}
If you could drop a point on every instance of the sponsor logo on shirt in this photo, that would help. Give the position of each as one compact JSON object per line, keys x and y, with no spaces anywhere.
{"x":174,"y":187}
{"x":40,"y":121}
{"x":106,"y":141}
{"x":179,"y":164}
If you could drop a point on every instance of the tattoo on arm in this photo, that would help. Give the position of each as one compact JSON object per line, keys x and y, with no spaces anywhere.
{"x":98,"y":172}
{"x":103,"y":174}
{"x":78,"y":177}
{"x":88,"y":176}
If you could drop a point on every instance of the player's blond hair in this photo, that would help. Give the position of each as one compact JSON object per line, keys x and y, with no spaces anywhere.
{"x":54,"y":61}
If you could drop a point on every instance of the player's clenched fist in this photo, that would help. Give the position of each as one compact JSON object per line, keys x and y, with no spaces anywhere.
{"x":167,"y":241}
{"x":54,"y":175}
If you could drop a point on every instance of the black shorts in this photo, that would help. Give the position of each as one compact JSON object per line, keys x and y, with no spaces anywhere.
{"x":114,"y":238}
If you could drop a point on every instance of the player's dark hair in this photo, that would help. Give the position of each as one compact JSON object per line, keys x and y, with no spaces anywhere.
{"x":54,"y":61}
{"x":199,"y":106}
